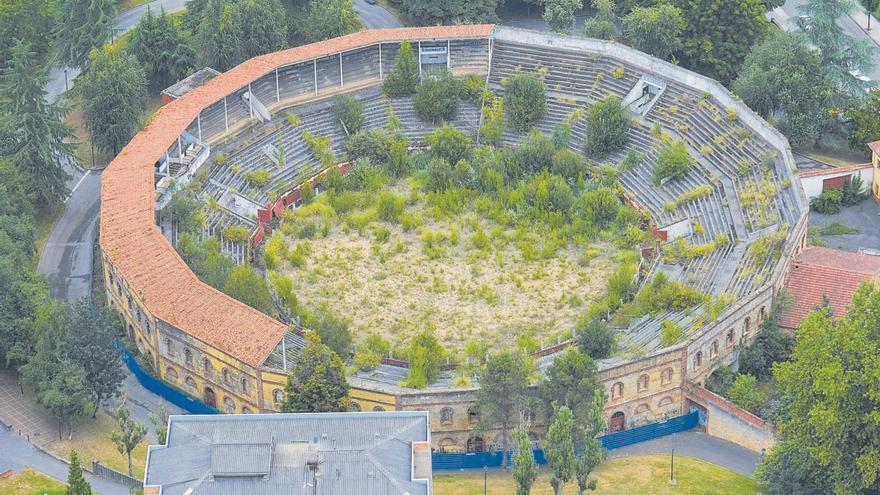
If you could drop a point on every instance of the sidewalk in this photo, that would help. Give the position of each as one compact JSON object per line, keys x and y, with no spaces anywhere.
{"x":23,"y":413}
{"x":861,"y":19}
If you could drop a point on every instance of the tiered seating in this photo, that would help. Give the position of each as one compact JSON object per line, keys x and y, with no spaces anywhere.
{"x":469,"y":55}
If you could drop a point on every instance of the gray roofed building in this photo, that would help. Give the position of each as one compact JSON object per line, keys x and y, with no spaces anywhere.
{"x":367,"y":453}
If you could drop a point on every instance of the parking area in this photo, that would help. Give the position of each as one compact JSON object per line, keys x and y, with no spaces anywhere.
{"x":865,"y":217}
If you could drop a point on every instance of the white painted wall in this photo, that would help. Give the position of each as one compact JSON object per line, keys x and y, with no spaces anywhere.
{"x":813,"y":185}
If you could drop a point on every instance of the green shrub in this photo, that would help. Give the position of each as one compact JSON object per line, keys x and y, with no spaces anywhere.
{"x":595,"y":338}
{"x":494,"y":122}
{"x":450,"y":144}
{"x":390,"y":206}
{"x":671,"y":333}
{"x":348,"y":111}
{"x":632,"y":159}
{"x":437,"y":98}
{"x":404,"y":78}
{"x":673,"y":161}
{"x":525,"y":101}
{"x":236,"y":233}
{"x":366,"y":360}
{"x":569,"y":165}
{"x":221,"y":159}
{"x":599,"y":206}
{"x":259,"y":177}
{"x":828,"y":202}
{"x":607,"y":127}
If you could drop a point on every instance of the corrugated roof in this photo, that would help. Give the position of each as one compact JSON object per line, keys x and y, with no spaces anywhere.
{"x":820,"y":272}
{"x":148,"y":262}
{"x":833,"y":170}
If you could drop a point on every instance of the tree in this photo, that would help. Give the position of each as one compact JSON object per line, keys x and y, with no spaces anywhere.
{"x":745,"y":393}
{"x":592,"y":452}
{"x":784,"y":78}
{"x":245,"y":285}
{"x":163,"y":48}
{"x":317,"y":382}
{"x":130,"y":432}
{"x":559,"y":448}
{"x":404,"y":77}
{"x":437,"y":97}
{"x":864,"y":122}
{"x":841,"y":54}
{"x":159,"y":419}
{"x":76,"y":482}
{"x":113,"y":90}
{"x":559,"y":14}
{"x":673,"y":161}
{"x":35,"y":139}
{"x":603,"y":25}
{"x":655,"y":30}
{"x":719,"y":34}
{"x":82,"y":26}
{"x":217,"y":36}
{"x":425,"y":356}
{"x":525,"y":101}
{"x":334,"y":333}
{"x":28,"y":22}
{"x":721,"y":379}
{"x":350,"y":112}
{"x":328,"y":19}
{"x":571,"y":380}
{"x":502,"y":394}
{"x":263,"y":26}
{"x":525,"y":469}
{"x":595,"y":338}
{"x":92,"y":334}
{"x":450,"y":144}
{"x":826,"y":392}
{"x":432,"y":13}
{"x":607,"y":127}
{"x":772,"y":345}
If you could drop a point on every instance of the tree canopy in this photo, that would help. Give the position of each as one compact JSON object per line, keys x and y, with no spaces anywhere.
{"x":655,"y":30}
{"x":82,"y":26}
{"x":502,"y":394}
{"x":164,"y":49}
{"x":317,"y":382}
{"x":525,"y":101}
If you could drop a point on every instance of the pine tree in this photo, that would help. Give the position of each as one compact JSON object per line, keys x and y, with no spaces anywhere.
{"x":163,"y":48}
{"x":76,"y":483}
{"x":317,"y":382}
{"x":82,"y":25}
{"x":328,"y":19}
{"x":37,"y":141}
{"x":404,"y":78}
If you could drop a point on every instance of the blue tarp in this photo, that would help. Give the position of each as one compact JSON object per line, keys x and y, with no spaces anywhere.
{"x":167,"y":392}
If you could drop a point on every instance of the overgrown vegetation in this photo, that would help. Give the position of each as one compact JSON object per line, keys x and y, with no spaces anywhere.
{"x":525,"y":101}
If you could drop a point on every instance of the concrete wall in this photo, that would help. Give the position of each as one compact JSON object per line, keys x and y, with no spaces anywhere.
{"x":730,"y":422}
{"x":812,"y":184}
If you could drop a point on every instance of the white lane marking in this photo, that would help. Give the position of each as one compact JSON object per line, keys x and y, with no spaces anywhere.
{"x":77,"y":185}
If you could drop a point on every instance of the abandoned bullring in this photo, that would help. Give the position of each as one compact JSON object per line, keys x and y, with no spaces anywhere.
{"x":473,"y":214}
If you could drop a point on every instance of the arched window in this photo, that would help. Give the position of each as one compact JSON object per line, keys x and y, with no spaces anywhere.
{"x":747,"y":325}
{"x":665,"y":401}
{"x":448,"y":445}
{"x":244,"y":386}
{"x":617,"y":390}
{"x":473,"y":416}
{"x":731,"y":337}
{"x":190,"y":383}
{"x":698,"y":360}
{"x":446,"y":415}
{"x":713,"y":350}
{"x":643,"y":408}
{"x":533,"y":439}
{"x":378,"y":409}
{"x":228,"y":405}
{"x":529,"y":416}
{"x":206,"y":364}
{"x":762,"y":314}
{"x":666,"y":376}
{"x":246,"y":410}
{"x":225,"y":374}
{"x":355,"y":406}
{"x":140,"y":345}
{"x":171,"y":375}
{"x":643,"y":382}
{"x":475,"y":444}
{"x":277,"y":396}
{"x":188,"y":357}
{"x":169,"y":347}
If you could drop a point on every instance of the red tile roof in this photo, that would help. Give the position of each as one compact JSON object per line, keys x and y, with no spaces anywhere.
{"x":875,"y":147}
{"x":142,"y":255}
{"x":819,"y":272}
{"x":834,"y":170}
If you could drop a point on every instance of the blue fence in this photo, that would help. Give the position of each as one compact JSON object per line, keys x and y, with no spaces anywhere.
{"x":168,"y":393}
{"x":479,"y":460}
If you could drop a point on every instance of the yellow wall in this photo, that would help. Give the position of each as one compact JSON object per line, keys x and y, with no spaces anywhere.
{"x":875,"y":187}
{"x":368,"y":400}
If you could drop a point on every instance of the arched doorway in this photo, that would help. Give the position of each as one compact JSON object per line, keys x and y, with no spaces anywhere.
{"x":475,"y":444}
{"x":210,"y":397}
{"x":617,"y":423}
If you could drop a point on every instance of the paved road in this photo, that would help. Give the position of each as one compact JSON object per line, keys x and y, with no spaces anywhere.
{"x":17,"y":454}
{"x":375,"y":16}
{"x":697,"y":445}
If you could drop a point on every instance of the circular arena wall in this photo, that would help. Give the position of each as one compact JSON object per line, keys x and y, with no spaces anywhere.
{"x":234,"y":357}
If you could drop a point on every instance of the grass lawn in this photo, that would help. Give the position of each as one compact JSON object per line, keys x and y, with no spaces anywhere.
{"x":639,"y":475}
{"x":91,"y":440}
{"x":30,"y":482}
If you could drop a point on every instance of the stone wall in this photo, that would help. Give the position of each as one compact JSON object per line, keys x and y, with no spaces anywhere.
{"x":726,"y":420}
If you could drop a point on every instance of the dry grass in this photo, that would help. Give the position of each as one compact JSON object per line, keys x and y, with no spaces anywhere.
{"x":30,"y":482}
{"x":91,"y":440}
{"x":465,"y":294}
{"x":640,"y":475}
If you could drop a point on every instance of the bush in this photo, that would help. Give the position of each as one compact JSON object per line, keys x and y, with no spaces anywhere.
{"x":236,"y":233}
{"x":390,"y":206}
{"x":525,"y":101}
{"x":673,"y":161}
{"x":745,"y":393}
{"x":366,"y":360}
{"x":348,"y":111}
{"x":569,"y":165}
{"x":373,"y":145}
{"x":607,"y":127}
{"x":404,"y":78}
{"x":494,"y":122}
{"x":828,"y":202}
{"x":599,"y":207}
{"x":720,"y":380}
{"x":437,"y":98}
{"x":259,"y":177}
{"x":449,"y":144}
{"x":671,"y":333}
{"x":595,"y":338}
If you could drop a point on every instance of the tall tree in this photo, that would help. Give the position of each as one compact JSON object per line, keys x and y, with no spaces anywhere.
{"x":113,"y":90}
{"x":502,"y":394}
{"x":263,"y":26}
{"x":595,"y":338}
{"x":864,"y":122}
{"x":603,"y":25}
{"x":559,"y":448}
{"x":559,"y":14}
{"x":592,"y":451}
{"x":163,"y":48}
{"x":785,"y":78}
{"x":719,"y":34}
{"x":655,"y":30}
{"x":159,"y":419}
{"x":130,"y":432}
{"x":404,"y":77}
{"x":571,"y":381}
{"x":432,"y":12}
{"x":93,"y":334}
{"x":76,"y":483}
{"x":82,"y":25}
{"x":425,"y":356}
{"x":334,"y":332}
{"x":36,"y":140}
{"x":317,"y":382}
{"x":327,"y":19}
{"x":525,"y":469}
{"x":828,"y":391}
{"x":232,"y":31}
{"x":26,"y":21}
{"x":245,"y":285}
{"x":841,"y":53}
